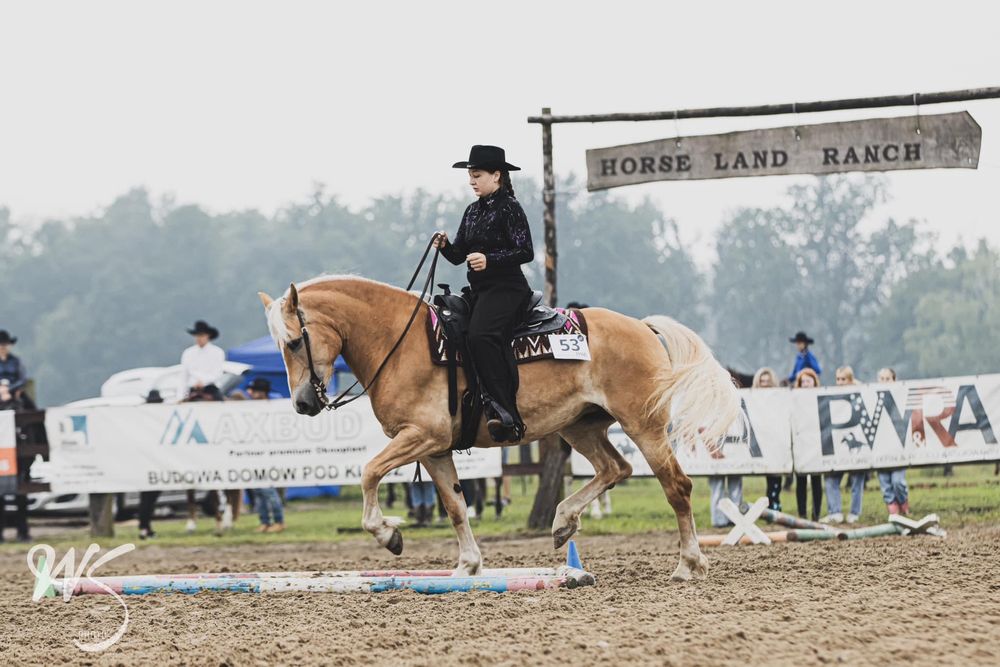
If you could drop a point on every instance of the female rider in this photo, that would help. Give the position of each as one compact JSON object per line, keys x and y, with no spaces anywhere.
{"x":493,"y":240}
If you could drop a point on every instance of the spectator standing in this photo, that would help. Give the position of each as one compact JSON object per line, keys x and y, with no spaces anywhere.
{"x":807,"y":378}
{"x":765,"y":378}
{"x":832,"y":480}
{"x":13,"y":371}
{"x":8,"y":401}
{"x":805,"y":358}
{"x":424,"y":499}
{"x":724,"y":486}
{"x":267,"y":501}
{"x":203,"y":363}
{"x":895,"y":492}
{"x":147,"y":499}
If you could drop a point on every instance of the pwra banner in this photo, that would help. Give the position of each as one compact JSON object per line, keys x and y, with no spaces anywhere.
{"x":856,"y":427}
{"x":228,"y":445}
{"x":919,"y":422}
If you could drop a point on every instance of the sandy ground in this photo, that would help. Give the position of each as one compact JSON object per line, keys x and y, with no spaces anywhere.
{"x":888,"y":601}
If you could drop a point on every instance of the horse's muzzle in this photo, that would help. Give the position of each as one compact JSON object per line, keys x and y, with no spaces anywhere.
{"x":306,"y":402}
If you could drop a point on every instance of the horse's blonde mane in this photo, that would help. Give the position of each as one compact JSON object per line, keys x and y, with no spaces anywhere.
{"x":332,"y":277}
{"x":275,"y":317}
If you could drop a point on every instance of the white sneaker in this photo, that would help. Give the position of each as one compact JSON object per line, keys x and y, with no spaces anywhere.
{"x":836,"y":517}
{"x":471,"y":512}
{"x":852,"y":518}
{"x":191,"y":526}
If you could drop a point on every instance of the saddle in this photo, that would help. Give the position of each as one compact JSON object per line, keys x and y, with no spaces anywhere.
{"x":448,"y":326}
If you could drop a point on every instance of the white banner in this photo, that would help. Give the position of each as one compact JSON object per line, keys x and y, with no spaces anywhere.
{"x":762,"y":446}
{"x":857,"y":427}
{"x":8,"y":454}
{"x":228,"y":445}
{"x":918,"y":422}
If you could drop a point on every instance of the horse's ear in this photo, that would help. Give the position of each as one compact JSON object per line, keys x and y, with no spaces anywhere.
{"x":292,"y":302}
{"x":265,"y":299}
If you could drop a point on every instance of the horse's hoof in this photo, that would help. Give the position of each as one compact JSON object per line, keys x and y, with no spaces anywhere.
{"x":562,"y":535}
{"x":687,"y":572}
{"x":395,"y":544}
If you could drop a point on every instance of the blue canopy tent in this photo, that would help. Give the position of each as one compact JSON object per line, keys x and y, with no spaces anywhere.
{"x":263,"y":356}
{"x":266,"y":360}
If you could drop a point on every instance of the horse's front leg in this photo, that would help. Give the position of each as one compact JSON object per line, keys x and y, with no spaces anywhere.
{"x":408,"y":446}
{"x":442,"y":470}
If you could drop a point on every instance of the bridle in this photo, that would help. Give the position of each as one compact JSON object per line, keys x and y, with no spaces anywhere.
{"x":316,"y":381}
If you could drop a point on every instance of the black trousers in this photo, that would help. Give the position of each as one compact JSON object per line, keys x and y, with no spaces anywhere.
{"x":20,"y":515}
{"x":147,"y":503}
{"x":497,"y":307}
{"x":817,"y":494}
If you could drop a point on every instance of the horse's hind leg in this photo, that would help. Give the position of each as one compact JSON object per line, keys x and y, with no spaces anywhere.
{"x":653,"y":443}
{"x":588,"y":436}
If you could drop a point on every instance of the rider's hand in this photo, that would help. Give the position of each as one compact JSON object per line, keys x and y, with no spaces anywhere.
{"x":477,"y":261}
{"x":440,"y":239}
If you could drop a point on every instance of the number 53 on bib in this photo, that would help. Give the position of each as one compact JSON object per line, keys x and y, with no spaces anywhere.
{"x":569,"y":346}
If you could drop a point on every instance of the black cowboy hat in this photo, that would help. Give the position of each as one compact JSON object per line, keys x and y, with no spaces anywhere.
{"x":6,"y":338}
{"x":260,"y":384}
{"x":801,"y":337}
{"x":489,"y":158}
{"x":201,"y":327}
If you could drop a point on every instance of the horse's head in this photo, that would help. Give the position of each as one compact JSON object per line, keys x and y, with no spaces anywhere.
{"x":324,"y":345}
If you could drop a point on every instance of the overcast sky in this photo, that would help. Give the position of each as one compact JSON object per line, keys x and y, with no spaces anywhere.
{"x":248,"y":104}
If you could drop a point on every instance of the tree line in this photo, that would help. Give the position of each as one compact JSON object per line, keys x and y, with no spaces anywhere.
{"x":93,"y":295}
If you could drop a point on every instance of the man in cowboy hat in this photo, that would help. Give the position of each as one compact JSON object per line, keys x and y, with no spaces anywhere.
{"x":202,"y":362}
{"x":259,"y":389}
{"x":11,"y":368}
{"x":805,"y":358}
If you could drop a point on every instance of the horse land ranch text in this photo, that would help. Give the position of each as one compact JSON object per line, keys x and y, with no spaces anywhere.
{"x":944,"y":141}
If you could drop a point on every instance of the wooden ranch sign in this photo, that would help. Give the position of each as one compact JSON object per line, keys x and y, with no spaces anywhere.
{"x":879,"y":144}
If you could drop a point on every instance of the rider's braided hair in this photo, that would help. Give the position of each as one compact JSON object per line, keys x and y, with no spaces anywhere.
{"x":505,"y":183}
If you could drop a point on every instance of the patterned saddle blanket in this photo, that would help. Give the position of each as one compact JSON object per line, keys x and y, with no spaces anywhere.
{"x":528,"y":346}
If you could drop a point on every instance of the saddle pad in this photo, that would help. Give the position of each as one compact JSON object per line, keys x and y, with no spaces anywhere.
{"x":529,"y":347}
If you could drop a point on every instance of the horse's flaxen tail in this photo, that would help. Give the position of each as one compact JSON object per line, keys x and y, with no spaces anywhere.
{"x":696,"y":390}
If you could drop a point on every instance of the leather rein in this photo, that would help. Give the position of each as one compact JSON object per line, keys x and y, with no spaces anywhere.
{"x":317,"y":381}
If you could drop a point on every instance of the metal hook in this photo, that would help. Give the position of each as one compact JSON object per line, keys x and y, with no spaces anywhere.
{"x":916,"y":106}
{"x":795,"y":111}
{"x":677,"y":131}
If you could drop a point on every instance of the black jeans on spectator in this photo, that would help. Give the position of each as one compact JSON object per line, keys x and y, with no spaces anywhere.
{"x":147,"y":503}
{"x":20,"y":515}
{"x":817,"y":494}
{"x":773,"y":492}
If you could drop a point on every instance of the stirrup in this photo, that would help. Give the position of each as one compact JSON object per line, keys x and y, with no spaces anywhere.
{"x":501,"y":432}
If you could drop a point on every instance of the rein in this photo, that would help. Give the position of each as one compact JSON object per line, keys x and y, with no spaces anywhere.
{"x":314,"y":378}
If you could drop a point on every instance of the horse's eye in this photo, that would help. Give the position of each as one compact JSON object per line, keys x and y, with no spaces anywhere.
{"x":294,"y":345}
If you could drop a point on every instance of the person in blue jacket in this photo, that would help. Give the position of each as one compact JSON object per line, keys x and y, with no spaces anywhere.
{"x":805,"y":358}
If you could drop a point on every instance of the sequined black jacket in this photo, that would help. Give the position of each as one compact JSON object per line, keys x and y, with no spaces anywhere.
{"x":497,"y":227}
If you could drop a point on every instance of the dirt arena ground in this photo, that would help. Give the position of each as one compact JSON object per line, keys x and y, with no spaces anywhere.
{"x":889,"y":601}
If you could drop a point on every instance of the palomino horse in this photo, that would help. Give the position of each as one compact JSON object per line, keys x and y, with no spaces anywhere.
{"x":647,"y":375}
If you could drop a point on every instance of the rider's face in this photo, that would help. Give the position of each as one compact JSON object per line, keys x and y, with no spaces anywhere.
{"x":484,"y":183}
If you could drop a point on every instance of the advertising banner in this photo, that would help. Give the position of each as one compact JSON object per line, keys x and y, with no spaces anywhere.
{"x":918,"y":422}
{"x":761,"y":445}
{"x":227,"y":445}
